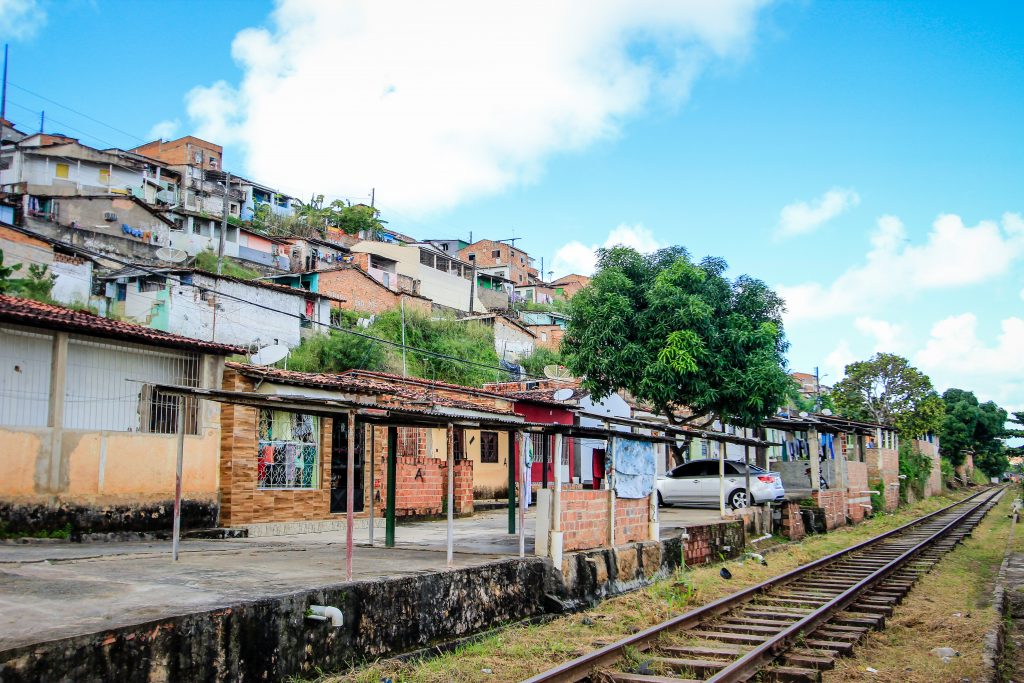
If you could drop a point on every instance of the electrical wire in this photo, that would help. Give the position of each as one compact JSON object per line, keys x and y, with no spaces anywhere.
{"x":329,"y":326}
{"x":75,"y":111}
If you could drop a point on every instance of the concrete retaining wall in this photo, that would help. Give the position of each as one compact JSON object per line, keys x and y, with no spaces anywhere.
{"x":270,"y":639}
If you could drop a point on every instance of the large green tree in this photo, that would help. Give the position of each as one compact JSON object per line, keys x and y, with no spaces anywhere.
{"x":888,"y":389}
{"x":973,"y":427}
{"x":680,"y":336}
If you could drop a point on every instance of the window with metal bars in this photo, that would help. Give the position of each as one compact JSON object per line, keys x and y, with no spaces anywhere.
{"x":489,"y":447}
{"x":287,"y":450}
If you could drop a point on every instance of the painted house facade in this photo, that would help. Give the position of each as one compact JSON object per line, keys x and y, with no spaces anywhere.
{"x":216,"y":308}
{"x":86,"y":443}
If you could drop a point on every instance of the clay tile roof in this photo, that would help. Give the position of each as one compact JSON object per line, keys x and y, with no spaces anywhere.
{"x":36,"y":314}
{"x":400,"y":394}
{"x":430,"y":383}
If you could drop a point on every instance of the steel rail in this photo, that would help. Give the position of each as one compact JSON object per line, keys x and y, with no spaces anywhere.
{"x":580,"y":668}
{"x":762,"y":655}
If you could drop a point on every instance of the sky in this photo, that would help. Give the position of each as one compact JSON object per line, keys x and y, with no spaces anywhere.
{"x":863,"y":158}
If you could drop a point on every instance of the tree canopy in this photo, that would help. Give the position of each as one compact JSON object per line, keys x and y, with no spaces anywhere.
{"x":973,"y":427}
{"x":679,"y":335}
{"x":888,"y":389}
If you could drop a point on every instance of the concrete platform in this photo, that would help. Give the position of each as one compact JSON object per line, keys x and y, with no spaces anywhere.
{"x":57,"y":590}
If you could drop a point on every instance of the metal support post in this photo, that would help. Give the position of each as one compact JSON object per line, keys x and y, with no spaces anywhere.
{"x":389,"y":511}
{"x":451,"y":492}
{"x":511,"y":459}
{"x":177,"y":478}
{"x":350,"y":466}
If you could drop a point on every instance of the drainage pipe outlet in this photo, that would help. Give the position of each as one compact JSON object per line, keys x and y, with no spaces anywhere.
{"x":325,"y":612}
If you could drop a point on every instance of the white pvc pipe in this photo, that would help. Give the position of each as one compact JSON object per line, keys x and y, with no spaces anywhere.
{"x":325,"y":612}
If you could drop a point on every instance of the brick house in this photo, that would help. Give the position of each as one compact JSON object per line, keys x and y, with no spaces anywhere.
{"x":512,"y":340}
{"x":566,"y":286}
{"x":360,"y":290}
{"x":286,"y":471}
{"x":498,"y":258}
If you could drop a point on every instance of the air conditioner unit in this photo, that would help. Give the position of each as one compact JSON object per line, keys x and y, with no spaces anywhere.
{"x":109,"y":216}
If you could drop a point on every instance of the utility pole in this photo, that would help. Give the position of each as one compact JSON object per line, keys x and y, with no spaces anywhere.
{"x":817,"y":390}
{"x":3,"y":99}
{"x":373,"y":196}
{"x":472,"y":289}
{"x":42,"y":121}
{"x":223,"y":225}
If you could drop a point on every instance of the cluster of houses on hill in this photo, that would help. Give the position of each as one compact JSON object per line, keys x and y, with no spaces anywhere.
{"x":95,"y":406}
{"x":121,"y":230}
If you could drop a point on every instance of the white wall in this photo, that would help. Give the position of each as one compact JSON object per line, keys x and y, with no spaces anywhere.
{"x":73,"y":283}
{"x":510,"y":342}
{"x":440,"y":287}
{"x":82,"y":174}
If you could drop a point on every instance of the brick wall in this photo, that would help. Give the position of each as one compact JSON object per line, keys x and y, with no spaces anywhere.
{"x":548,"y":336}
{"x":420,"y":486}
{"x":857,"y":480}
{"x":833,"y":502}
{"x":709,"y":542}
{"x":933,"y":486}
{"x":632,"y":519}
{"x":792,"y":522}
{"x":463,"y":487}
{"x":584,"y":519}
{"x":884,"y":465}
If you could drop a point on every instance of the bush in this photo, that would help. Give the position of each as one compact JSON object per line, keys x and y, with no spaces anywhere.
{"x":535,"y":362}
{"x":451,"y":340}
{"x":916,"y":468}
{"x":207,"y":260}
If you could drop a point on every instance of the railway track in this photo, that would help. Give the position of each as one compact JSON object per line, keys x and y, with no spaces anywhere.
{"x":791,"y":627}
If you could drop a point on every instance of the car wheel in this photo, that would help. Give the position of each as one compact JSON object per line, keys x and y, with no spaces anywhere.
{"x":661,"y":501}
{"x":738,"y":499}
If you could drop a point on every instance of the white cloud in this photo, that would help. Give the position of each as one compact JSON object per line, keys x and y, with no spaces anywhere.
{"x":433,"y":105}
{"x":953,"y":255}
{"x":21,"y":19}
{"x":800,"y":218}
{"x":954,"y":356}
{"x":576,"y":257}
{"x":164,"y":130}
{"x":887,"y":337}
{"x":835,"y":362}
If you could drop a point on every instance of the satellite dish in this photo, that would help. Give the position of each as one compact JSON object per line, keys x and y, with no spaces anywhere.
{"x":269,"y":355}
{"x":559,"y":372}
{"x":563,"y":394}
{"x":171,"y":255}
{"x":826,"y":411}
{"x":803,"y":413}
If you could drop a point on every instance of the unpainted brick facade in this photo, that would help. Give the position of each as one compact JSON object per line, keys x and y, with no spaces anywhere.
{"x":884,"y":465}
{"x":586,"y":519}
{"x":362,"y":293}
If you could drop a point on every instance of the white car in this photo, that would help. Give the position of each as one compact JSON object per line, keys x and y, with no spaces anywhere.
{"x":695,"y":484}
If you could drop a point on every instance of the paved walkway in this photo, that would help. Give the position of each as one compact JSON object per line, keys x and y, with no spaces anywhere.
{"x":57,"y":590}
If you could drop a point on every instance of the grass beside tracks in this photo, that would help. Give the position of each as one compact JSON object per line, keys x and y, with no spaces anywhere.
{"x":949,"y":607}
{"x":520,"y":651}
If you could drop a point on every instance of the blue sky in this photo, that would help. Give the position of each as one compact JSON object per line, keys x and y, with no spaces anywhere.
{"x":637,"y":123}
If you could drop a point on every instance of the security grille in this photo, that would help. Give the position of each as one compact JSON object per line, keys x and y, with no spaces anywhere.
{"x":25,"y":359}
{"x":287,"y":451}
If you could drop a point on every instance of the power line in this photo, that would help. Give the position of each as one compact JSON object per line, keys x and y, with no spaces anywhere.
{"x":61,"y":123}
{"x":75,"y":111}
{"x":329,"y":326}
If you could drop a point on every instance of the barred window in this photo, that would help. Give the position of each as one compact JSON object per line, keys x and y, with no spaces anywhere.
{"x":489,"y":447}
{"x":287,"y":450}
{"x":459,"y":442}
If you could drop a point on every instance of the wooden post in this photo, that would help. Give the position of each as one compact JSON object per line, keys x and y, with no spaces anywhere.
{"x":721,"y":480}
{"x":746,"y":461}
{"x":389,"y":511}
{"x":609,"y":475}
{"x":511,"y":482}
{"x":350,"y":494}
{"x":177,"y":478}
{"x":556,"y":507}
{"x":814,"y":446}
{"x":451,"y":491}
